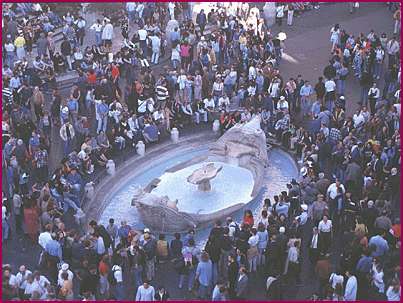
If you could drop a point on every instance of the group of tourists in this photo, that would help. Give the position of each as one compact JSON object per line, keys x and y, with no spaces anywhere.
{"x":340,"y":218}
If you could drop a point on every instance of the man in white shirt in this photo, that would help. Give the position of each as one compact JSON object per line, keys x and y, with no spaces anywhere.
{"x":155,"y":47}
{"x":40,"y":284}
{"x":143,"y":40}
{"x":131,"y":10}
{"x":65,"y":268}
{"x":332,"y":189}
{"x":313,"y":246}
{"x":373,"y":96}
{"x":392,"y":48}
{"x":145,"y":292}
{"x":330,"y":87}
{"x":350,"y":294}
{"x":171,"y":9}
{"x":358,"y":119}
{"x":209,"y":106}
{"x":21,"y":277}
{"x":379,"y":56}
{"x":43,"y":239}
{"x":97,"y":27}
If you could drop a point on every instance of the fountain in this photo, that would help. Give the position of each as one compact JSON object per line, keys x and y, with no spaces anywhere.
{"x":202,"y":176}
{"x":241,"y":152}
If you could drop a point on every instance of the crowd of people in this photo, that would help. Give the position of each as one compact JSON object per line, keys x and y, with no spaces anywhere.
{"x":341,"y":217}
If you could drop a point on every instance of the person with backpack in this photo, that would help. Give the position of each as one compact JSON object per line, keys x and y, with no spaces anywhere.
{"x":233,"y":229}
{"x":150,"y":248}
{"x":115,"y":279}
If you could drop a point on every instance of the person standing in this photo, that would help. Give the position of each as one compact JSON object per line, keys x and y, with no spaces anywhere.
{"x":201,"y":21}
{"x":242,"y":284}
{"x":107,"y":35}
{"x":279,"y":14}
{"x":80,"y":24}
{"x":290,"y":14}
{"x":325,"y":234}
{"x":19,"y":43}
{"x":322,"y":270}
{"x":67,"y":134}
{"x":65,"y":49}
{"x":373,"y":95}
{"x":397,"y":18}
{"x":155,"y":47}
{"x":350,"y":293}
{"x":313,"y":246}
{"x":145,"y":292}
{"x":204,"y":275}
{"x":392,"y":48}
{"x":97,"y":27}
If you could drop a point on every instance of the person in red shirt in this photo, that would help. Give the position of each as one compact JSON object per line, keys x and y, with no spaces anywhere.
{"x":248,"y":218}
{"x":103,"y":269}
{"x":91,"y":77}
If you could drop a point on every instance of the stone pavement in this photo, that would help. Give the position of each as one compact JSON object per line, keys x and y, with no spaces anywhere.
{"x":308,"y":44}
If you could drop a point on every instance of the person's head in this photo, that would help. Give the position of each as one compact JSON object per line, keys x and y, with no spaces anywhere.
{"x":242,"y":271}
{"x":177,"y":236}
{"x":325,"y":218}
{"x":374,"y":84}
{"x":93,"y":223}
{"x":146,"y":284}
{"x":205,"y":256}
{"x":191,"y":242}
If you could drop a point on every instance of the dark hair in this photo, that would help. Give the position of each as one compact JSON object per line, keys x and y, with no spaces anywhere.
{"x":111,"y":220}
{"x":177,"y":236}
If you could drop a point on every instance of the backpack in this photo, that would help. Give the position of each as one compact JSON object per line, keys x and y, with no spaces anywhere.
{"x":111,"y":277}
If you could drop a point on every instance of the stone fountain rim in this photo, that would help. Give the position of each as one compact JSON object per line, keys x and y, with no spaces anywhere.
{"x":110,"y":184}
{"x":104,"y":189}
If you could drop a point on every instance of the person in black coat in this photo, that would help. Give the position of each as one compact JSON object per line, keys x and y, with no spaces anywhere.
{"x":273,"y":287}
{"x":201,"y":21}
{"x":161,"y":294}
{"x":100,"y":229}
{"x":232,"y":275}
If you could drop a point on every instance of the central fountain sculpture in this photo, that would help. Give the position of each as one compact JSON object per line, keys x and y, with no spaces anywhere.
{"x":244,"y":146}
{"x":203,"y":175}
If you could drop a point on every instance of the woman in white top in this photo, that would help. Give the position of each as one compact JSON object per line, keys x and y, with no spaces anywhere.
{"x":325,"y":234}
{"x":335,"y":36}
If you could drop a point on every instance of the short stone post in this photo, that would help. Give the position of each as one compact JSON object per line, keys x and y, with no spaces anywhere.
{"x":216,"y":126}
{"x":140,"y":148}
{"x":175,"y":135}
{"x":110,"y":167}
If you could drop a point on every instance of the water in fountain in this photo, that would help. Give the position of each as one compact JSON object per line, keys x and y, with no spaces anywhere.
{"x":232,"y":185}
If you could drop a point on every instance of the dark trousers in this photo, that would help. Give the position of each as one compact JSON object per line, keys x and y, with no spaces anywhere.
{"x":313,"y":255}
{"x":325,"y":240}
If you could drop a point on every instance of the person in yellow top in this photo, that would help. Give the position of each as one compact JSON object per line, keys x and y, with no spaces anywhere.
{"x":19,"y":44}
